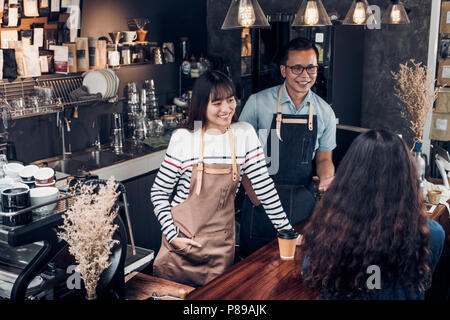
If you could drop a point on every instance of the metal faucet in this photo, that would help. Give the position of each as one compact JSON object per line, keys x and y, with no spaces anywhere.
{"x":97,"y":143}
{"x":60,"y":121}
{"x":67,"y":124}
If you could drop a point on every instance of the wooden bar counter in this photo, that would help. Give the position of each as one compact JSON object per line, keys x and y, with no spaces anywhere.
{"x":264,"y":276}
{"x":261,"y":276}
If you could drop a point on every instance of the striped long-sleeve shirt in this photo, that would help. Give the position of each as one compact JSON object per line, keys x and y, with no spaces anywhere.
{"x":182,"y":153}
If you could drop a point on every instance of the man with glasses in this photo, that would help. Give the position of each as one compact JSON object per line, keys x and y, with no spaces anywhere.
{"x":296,"y":126}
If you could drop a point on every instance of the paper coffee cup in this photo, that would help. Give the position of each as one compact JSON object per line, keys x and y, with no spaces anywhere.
{"x":287,"y":241}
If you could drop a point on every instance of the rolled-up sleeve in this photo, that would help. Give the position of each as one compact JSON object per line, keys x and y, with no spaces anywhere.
{"x":327,"y":142}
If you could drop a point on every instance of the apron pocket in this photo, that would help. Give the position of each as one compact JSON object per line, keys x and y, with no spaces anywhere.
{"x":306,"y":154}
{"x":190,"y":253}
{"x":223,"y":199}
{"x":193,"y":255}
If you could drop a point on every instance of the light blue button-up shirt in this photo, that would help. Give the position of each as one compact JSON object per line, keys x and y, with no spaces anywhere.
{"x":260,"y":108}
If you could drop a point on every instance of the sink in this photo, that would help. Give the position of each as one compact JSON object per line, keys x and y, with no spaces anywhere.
{"x":98,"y":158}
{"x":68,"y":166}
{"x":87,"y":161}
{"x":93,"y":159}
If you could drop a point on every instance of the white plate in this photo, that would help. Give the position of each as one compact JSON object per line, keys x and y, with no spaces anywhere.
{"x":109,"y":81}
{"x":116,"y":81}
{"x":96,"y":83}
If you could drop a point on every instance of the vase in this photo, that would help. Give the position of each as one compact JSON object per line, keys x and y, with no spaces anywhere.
{"x":91,"y":296}
{"x":141,"y":35}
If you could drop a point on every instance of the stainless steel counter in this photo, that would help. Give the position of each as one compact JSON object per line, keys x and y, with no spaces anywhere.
{"x":134,"y":161}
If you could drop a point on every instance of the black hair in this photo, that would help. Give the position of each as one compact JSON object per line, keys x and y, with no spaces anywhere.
{"x":214,"y":85}
{"x":297,"y":44}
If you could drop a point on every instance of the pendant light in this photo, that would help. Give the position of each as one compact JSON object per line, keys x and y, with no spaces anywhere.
{"x":395,"y":14}
{"x":311,"y":13}
{"x":358,"y":14}
{"x":245,"y":14}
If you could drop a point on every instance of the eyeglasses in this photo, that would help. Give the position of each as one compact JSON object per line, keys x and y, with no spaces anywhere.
{"x":298,"y":69}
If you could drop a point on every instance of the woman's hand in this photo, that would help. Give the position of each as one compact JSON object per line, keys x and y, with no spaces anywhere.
{"x":181,"y":243}
{"x":299,"y":240}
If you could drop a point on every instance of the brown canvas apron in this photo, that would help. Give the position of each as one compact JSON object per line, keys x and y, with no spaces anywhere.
{"x":206,"y":216}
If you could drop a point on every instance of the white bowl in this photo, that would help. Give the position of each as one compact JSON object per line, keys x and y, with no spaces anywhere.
{"x":44,"y":175}
{"x":12,"y":169}
{"x":44,"y":185}
{"x":42,"y":195}
{"x":27,"y":173}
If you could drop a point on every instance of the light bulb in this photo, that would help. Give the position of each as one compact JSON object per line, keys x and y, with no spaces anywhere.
{"x":359,"y":16}
{"x":246,"y":17}
{"x":311,"y":13}
{"x":395,"y":14}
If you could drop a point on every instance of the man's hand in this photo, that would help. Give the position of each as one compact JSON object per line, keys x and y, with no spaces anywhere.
{"x":325,"y":169}
{"x":182,"y":243}
{"x":325,"y":183}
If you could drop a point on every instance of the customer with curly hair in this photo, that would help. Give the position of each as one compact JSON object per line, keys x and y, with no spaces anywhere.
{"x":372,"y":214}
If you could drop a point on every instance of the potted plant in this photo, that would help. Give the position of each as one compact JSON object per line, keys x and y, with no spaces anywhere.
{"x":140,"y":24}
{"x":88,"y":229}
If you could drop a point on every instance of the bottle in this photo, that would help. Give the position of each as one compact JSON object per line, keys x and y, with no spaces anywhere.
{"x":420,"y":163}
{"x":185,"y":49}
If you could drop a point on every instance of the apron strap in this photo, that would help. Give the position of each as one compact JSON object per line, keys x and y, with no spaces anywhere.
{"x":279,"y":115}
{"x":311,"y":114}
{"x":280,"y":119}
{"x":200,"y":165}
{"x":233,"y":154}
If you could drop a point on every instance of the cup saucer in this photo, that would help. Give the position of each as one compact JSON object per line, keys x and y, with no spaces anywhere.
{"x":128,"y":43}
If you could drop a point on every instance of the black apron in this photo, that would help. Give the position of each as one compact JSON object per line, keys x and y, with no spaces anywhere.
{"x":293,"y":181}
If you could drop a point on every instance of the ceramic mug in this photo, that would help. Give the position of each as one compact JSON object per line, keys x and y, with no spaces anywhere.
{"x":129,"y":36}
{"x":15,"y":198}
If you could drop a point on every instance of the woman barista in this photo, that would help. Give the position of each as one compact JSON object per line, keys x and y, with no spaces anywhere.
{"x":205,"y":162}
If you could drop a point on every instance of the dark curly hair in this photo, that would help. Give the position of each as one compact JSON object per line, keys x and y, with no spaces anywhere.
{"x":372,"y":214}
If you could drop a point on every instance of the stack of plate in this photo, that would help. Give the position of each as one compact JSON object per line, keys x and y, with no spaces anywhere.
{"x":103,"y":81}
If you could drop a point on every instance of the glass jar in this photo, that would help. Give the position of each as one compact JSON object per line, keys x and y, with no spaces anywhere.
{"x":170,"y":121}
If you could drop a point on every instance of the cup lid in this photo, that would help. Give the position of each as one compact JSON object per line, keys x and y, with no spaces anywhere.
{"x":288,"y":234}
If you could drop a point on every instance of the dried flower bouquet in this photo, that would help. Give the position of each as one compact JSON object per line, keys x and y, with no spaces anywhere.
{"x":89,"y":228}
{"x":415,"y":89}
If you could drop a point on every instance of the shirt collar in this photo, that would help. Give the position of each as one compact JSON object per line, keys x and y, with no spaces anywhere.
{"x":285,"y":98}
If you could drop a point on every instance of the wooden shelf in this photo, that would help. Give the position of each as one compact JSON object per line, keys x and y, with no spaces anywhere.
{"x":25,"y":23}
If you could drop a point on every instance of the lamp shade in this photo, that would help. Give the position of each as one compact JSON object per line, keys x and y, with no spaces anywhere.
{"x":311,"y":13}
{"x":395,"y":14}
{"x":245,"y":14}
{"x":358,"y":13}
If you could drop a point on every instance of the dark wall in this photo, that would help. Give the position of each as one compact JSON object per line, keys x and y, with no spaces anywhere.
{"x":38,"y":137}
{"x":169,"y":19}
{"x":384,"y":50}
